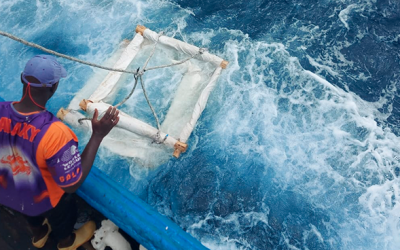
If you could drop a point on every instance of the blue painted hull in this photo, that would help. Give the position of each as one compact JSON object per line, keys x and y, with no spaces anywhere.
{"x":134,"y":216}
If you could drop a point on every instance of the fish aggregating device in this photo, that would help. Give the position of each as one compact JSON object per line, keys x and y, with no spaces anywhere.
{"x":147,"y":144}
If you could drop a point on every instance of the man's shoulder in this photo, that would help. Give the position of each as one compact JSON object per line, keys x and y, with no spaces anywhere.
{"x":59,"y":129}
{"x":4,"y":104}
{"x":58,"y":138}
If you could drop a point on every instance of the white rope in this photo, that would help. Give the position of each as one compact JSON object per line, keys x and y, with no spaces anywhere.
{"x":138,"y":74}
{"x":34,"y":45}
{"x":201,"y":51}
{"x":148,"y":102}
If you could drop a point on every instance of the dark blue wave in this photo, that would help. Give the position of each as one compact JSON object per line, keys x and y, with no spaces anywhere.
{"x":371,"y":43}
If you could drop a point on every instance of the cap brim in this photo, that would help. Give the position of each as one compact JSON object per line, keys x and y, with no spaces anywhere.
{"x":23,"y":78}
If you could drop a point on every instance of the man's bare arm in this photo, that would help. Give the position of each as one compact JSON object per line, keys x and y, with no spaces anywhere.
{"x":100,"y":129}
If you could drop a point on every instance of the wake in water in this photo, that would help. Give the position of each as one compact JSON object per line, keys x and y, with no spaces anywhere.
{"x":298,"y":147}
{"x":301,"y":162}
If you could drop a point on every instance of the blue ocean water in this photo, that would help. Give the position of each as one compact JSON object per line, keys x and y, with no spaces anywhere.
{"x":298,"y":147}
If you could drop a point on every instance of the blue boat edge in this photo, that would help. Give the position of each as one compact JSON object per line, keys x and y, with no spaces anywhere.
{"x":138,"y":219}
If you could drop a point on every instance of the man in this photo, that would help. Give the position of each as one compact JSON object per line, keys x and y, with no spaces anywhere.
{"x":40,"y":165}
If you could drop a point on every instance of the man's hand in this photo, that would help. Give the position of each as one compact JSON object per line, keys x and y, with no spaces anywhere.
{"x":103,"y":126}
{"x":100,"y":130}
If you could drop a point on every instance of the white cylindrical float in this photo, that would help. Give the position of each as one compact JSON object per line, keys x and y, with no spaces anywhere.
{"x":183,"y":47}
{"x":131,"y":124}
{"x":107,"y":87}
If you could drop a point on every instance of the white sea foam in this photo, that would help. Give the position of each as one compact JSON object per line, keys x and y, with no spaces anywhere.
{"x":344,"y":14}
{"x":327,"y":131}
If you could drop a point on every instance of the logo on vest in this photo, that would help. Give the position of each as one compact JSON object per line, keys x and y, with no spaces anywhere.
{"x":18,"y":164}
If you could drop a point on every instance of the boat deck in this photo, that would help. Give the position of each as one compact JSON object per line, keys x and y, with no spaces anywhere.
{"x":15,"y":233}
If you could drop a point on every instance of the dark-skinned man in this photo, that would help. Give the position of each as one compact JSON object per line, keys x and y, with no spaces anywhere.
{"x":40,"y":164}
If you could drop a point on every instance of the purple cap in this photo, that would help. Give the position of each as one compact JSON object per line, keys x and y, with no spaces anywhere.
{"x":46,"y":69}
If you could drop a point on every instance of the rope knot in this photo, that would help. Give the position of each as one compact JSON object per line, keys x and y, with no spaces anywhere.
{"x":138,"y":73}
{"x":202,"y":50}
{"x":158,"y":139}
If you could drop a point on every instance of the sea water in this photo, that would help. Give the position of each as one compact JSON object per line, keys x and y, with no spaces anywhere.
{"x":298,"y":146}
